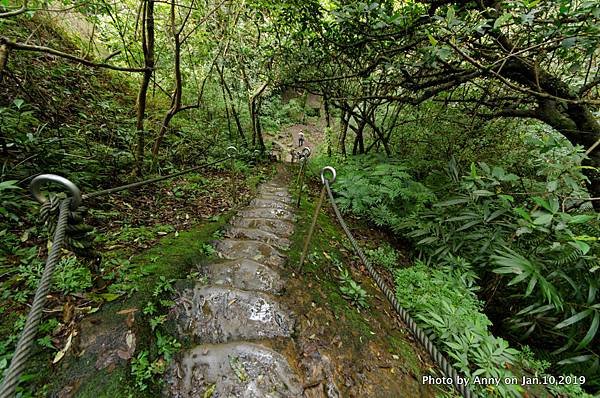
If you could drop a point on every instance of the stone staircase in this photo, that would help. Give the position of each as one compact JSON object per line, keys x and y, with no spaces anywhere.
{"x":233,"y":316}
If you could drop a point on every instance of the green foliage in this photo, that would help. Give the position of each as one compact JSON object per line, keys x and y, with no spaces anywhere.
{"x":380,"y":190}
{"x":144,"y":370}
{"x":543,"y":249}
{"x":349,"y":288}
{"x":71,"y":276}
{"x":384,"y":256}
{"x":445,"y":307}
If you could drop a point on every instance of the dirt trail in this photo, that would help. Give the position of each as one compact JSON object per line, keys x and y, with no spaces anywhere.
{"x":251,"y":326}
{"x":287,"y":139}
{"x":257,"y":329}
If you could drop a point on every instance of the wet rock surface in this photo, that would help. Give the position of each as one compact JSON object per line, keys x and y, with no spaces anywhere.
{"x":274,"y":202}
{"x":236,"y":309}
{"x":244,"y":274}
{"x":268,"y":212}
{"x":232,"y":370}
{"x":250,"y":249}
{"x":219,"y":314}
{"x":258,"y":235}
{"x":281,"y":228}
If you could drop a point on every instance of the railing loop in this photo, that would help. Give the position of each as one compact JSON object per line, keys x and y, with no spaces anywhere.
{"x":37,"y":182}
{"x":231,"y":151}
{"x":333,"y":174}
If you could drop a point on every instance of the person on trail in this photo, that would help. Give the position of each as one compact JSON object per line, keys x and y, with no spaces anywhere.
{"x":300,"y":139}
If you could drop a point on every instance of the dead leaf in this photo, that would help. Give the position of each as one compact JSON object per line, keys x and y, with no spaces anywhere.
{"x":127,"y":311}
{"x":68,"y":311}
{"x":59,"y":355}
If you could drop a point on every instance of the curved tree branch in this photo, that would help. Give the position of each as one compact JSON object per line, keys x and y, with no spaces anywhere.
{"x":47,"y":50}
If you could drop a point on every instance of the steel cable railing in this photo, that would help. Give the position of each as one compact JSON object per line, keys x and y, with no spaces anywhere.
{"x":415,"y":330}
{"x":68,"y":215}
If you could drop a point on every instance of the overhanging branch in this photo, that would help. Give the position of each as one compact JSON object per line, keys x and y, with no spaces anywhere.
{"x":46,"y":50}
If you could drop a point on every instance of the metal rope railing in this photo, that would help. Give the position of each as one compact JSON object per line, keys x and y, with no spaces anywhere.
{"x":302,"y":155}
{"x":19,"y":359}
{"x":416,"y":331}
{"x":68,"y":215}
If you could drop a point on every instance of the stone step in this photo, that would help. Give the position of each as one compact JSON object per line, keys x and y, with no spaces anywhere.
{"x":284,"y":199}
{"x":259,"y":235}
{"x":218,"y":314}
{"x":266,"y":212}
{"x":244,"y":274}
{"x":278,"y":227}
{"x":231,"y":370}
{"x":274,"y":192}
{"x":276,"y":204}
{"x":253,"y":250}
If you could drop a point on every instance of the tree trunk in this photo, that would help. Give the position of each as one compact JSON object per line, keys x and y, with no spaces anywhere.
{"x":580,"y":127}
{"x":344,"y":130}
{"x":176,"y":99}
{"x":148,"y":49}
{"x":254,"y":116}
{"x":327,"y":124}
{"x":234,"y":112}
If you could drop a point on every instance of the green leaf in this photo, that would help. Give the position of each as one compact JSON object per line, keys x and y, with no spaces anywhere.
{"x":502,"y":19}
{"x":522,"y":213}
{"x":482,"y":192}
{"x":110,"y":296}
{"x":530,"y":286}
{"x":574,"y":319}
{"x":544,"y":219}
{"x":582,"y":246}
{"x":451,"y":202}
{"x":18,"y":102}
{"x":581,"y":219}
{"x":10,"y":184}
{"x":591,"y":333}
{"x":432,"y":39}
{"x":450,"y":15}
{"x":577,"y":359}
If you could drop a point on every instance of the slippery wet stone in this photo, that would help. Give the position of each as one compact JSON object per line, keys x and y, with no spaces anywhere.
{"x":265,"y":212}
{"x":218,"y":314}
{"x":283,"y":199}
{"x":274,"y":192}
{"x":276,"y":204}
{"x":244,"y":274}
{"x":259,"y":235}
{"x":278,"y":227}
{"x":232,"y":370}
{"x":250,"y":249}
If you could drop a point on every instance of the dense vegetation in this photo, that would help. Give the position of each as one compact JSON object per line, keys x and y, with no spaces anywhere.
{"x":466,"y":130}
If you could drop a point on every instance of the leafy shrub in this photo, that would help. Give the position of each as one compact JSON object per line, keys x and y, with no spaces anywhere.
{"x":444,"y":304}
{"x":445,"y":307}
{"x":540,"y":251}
{"x":71,"y":276}
{"x":379,"y":189}
{"x":350,"y":289}
{"x":384,"y":256}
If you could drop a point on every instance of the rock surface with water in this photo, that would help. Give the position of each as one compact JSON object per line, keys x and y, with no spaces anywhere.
{"x":219,"y":314}
{"x":236,"y":307}
{"x":232,"y":370}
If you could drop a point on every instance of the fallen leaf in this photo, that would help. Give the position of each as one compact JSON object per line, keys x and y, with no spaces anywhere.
{"x":127,"y":311}
{"x":110,"y":296}
{"x":59,"y":355}
{"x":209,"y":391}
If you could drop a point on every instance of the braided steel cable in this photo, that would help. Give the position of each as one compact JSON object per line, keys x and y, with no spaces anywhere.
{"x":152,"y":180}
{"x":416,"y":331}
{"x":22,"y":352}
{"x":70,"y":232}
